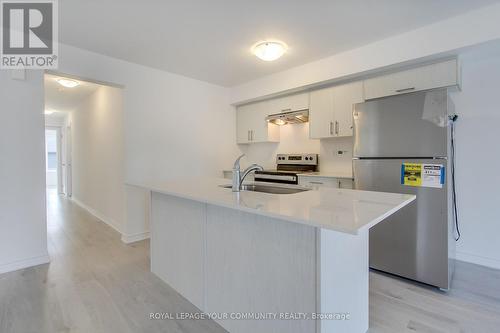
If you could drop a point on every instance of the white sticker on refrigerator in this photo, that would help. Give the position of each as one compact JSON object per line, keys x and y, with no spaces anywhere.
{"x":432,"y":175}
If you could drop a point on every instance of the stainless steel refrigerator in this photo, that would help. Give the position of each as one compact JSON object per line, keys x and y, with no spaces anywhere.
{"x":389,"y":134}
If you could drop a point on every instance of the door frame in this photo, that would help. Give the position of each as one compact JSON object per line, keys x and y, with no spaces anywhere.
{"x":69,"y":161}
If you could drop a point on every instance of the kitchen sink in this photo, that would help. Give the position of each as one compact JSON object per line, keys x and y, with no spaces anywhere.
{"x":270,"y":189}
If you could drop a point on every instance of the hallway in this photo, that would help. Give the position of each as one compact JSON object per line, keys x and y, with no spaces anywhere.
{"x":94,"y":283}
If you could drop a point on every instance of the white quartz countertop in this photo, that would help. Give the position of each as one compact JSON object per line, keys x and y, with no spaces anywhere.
{"x":341,"y":210}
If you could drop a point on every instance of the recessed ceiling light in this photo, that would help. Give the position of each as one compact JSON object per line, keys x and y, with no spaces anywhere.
{"x":269,"y":50}
{"x":68,"y":83}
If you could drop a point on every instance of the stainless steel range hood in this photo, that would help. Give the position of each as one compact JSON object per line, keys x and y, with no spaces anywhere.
{"x":292,"y":117}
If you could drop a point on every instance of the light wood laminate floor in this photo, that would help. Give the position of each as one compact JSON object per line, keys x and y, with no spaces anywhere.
{"x":95,"y":283}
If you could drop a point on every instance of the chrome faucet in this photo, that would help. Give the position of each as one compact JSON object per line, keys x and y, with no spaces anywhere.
{"x":238,"y":177}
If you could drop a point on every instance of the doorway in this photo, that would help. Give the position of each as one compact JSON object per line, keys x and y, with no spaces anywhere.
{"x":84,"y":123}
{"x":53,"y":159}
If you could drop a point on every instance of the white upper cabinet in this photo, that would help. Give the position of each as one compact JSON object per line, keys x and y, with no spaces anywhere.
{"x":443,"y":74}
{"x":251,"y":124}
{"x":330,"y":110}
{"x":344,"y":98}
{"x":321,"y":116}
{"x":243,"y":119}
{"x":289,"y":103}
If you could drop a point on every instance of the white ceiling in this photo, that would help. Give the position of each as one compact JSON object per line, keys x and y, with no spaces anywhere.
{"x":210,"y":39}
{"x":62,"y":99}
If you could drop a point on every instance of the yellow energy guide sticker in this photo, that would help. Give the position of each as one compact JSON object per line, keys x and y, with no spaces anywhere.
{"x":412,"y":174}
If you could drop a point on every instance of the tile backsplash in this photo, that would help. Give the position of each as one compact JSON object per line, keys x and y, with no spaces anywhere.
{"x":294,"y":138}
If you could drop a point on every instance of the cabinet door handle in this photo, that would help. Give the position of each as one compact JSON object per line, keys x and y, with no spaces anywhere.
{"x":317,"y":183}
{"x":248,"y":135}
{"x":405,"y":89}
{"x":251,"y":135}
{"x":331,"y":128}
{"x":336,"y":127}
{"x":285,"y":110}
{"x":340,"y":184}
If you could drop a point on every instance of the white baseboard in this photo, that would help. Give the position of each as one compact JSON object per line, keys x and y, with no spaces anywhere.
{"x":135,"y":237}
{"x":24,"y":263}
{"x":109,"y":221}
{"x":478,"y":260}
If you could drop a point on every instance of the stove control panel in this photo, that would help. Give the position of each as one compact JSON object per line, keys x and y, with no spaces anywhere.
{"x":303,"y":159}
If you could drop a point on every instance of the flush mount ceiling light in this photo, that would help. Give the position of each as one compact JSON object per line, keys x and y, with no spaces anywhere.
{"x":68,"y":83}
{"x":269,"y":50}
{"x":48,"y":112}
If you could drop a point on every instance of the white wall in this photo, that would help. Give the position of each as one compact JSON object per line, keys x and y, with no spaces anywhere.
{"x":330,"y":160}
{"x":51,"y":121}
{"x":23,"y":230}
{"x":174,"y":126}
{"x":478,"y":157}
{"x":98,"y":155}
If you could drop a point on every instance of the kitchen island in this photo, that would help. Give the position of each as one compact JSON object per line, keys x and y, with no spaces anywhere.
{"x":260,"y":262}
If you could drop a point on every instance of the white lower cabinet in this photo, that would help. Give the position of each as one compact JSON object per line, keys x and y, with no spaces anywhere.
{"x":316,"y":182}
